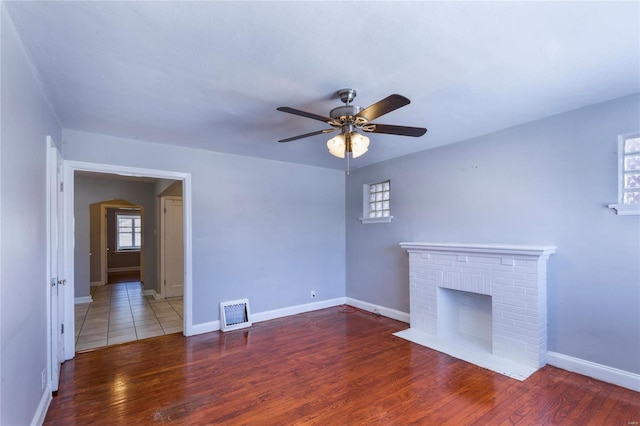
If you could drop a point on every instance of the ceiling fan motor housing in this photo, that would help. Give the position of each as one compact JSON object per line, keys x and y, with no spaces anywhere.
{"x":345,"y":111}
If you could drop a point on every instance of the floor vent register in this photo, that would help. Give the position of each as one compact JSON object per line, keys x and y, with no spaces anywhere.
{"x":235,"y":314}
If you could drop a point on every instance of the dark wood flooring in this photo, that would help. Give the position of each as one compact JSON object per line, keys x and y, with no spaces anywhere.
{"x":337,"y":366}
{"x":123,"y":277}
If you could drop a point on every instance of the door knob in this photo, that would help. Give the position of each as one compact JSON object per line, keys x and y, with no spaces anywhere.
{"x":62,"y":282}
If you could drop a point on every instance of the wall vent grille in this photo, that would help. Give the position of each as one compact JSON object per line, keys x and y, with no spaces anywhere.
{"x":235,"y":314}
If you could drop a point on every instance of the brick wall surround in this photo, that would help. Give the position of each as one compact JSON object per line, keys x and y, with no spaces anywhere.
{"x":513,"y":275}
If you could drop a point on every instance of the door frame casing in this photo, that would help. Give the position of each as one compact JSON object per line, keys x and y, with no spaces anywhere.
{"x":70,"y":167}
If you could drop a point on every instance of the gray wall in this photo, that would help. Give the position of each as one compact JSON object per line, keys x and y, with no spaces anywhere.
{"x":162,"y":185}
{"x":26,"y":120}
{"x":88,"y":190}
{"x":262,"y":229}
{"x":545,"y":182}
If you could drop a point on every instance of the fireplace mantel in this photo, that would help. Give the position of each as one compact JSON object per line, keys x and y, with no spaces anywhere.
{"x":462,"y":294}
{"x":507,"y":249}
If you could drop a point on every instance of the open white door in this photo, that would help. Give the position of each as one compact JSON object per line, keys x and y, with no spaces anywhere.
{"x":55,"y":251}
{"x":172,"y":247}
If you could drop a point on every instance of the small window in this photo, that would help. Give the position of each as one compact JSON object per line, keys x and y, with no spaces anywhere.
{"x":628,"y":175}
{"x":377,"y":202}
{"x":129,"y":232}
{"x":631,"y":170}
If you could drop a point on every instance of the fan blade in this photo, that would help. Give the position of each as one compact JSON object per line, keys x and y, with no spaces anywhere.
{"x":396,"y":130}
{"x":306,"y":135}
{"x":385,"y":106}
{"x":304,"y":114}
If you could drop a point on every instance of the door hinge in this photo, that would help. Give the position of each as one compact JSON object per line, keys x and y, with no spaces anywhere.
{"x":61,"y":328}
{"x":165,"y":209}
{"x":61,"y":186}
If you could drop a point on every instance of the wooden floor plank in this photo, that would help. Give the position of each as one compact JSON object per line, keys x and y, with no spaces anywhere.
{"x":328,"y":367}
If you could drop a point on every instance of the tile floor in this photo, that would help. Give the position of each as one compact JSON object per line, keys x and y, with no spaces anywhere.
{"x":120,"y":313}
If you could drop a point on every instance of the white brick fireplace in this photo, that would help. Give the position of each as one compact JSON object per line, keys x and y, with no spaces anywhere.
{"x":483,"y":303}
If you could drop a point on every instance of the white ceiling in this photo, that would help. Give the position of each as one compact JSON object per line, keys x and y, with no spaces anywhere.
{"x":211,"y":74}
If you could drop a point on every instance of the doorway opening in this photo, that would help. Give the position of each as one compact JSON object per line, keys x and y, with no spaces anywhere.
{"x":116,"y":242}
{"x":149,"y":276}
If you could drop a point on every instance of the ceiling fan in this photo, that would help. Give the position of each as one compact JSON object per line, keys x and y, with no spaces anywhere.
{"x":348,"y":118}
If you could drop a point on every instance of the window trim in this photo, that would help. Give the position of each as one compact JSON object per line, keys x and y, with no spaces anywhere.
{"x":621,"y":208}
{"x":365,"y":205}
{"x":128,"y":249}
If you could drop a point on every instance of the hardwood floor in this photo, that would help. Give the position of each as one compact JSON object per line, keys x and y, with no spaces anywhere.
{"x":337,"y":366}
{"x":123,"y":277}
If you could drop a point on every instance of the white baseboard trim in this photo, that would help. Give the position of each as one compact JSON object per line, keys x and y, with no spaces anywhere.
{"x":384,"y":311}
{"x":43,"y":406}
{"x":124,"y":269}
{"x":295,"y":310}
{"x":153,"y":293}
{"x":95,"y":283}
{"x":84,"y":299}
{"x":205,"y":327}
{"x":208,"y":327}
{"x":605,"y":373}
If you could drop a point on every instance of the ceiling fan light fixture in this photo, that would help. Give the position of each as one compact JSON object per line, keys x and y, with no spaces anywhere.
{"x":337,"y":146}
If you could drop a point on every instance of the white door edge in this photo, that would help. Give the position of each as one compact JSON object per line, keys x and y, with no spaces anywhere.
{"x":54,"y":292}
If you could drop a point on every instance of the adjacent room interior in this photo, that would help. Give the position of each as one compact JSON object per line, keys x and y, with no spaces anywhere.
{"x":132,"y":233}
{"x":305,"y":212}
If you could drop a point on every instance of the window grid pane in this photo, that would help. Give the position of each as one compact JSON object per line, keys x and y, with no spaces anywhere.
{"x":379,"y":199}
{"x":631,"y":163}
{"x":632,"y":197}
{"x":632,"y":181}
{"x":125,"y":240}
{"x":632,"y":145}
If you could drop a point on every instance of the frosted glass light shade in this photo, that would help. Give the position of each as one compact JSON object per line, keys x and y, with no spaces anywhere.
{"x":359,"y":144}
{"x":336,"y":146}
